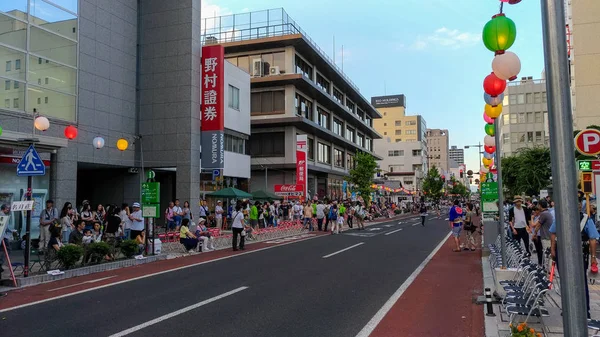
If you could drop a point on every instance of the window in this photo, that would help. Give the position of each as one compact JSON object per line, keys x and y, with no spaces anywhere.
{"x":506,"y":138}
{"x":234,"y":98}
{"x":529,"y":98}
{"x":521,"y":137}
{"x":385,"y":133}
{"x":537,"y":97}
{"x":395,"y":153}
{"x":338,"y":127}
{"x":303,"y":107}
{"x":350,"y":133}
{"x":361,"y":114}
{"x":235,"y":144}
{"x":39,"y":81}
{"x":410,"y":123}
{"x":398,"y":140}
{"x":322,"y":83}
{"x":323,"y":118}
{"x":7,"y":85}
{"x":513,"y":118}
{"x":18,"y":64}
{"x":512,"y":99}
{"x":360,"y":140}
{"x":538,"y":117}
{"x":369,"y":121}
{"x":8,"y":66}
{"x":384,"y":124}
{"x":303,"y":68}
{"x":350,"y":105}
{"x":521,"y":118}
{"x":544,"y":98}
{"x":350,"y":163}
{"x":369,"y":144}
{"x":410,"y":132}
{"x":530,"y":117}
{"x":16,"y":103}
{"x":514,"y":137}
{"x":398,"y":132}
{"x":311,"y":149}
{"x":39,"y":100}
{"x":39,"y":60}
{"x":530,"y":137}
{"x":7,"y":103}
{"x":338,"y":96}
{"x":416,"y":153}
{"x":267,"y":102}
{"x":538,"y":136}
{"x":506,"y":119}
{"x":46,"y":99}
{"x":521,"y":99}
{"x":398,"y":123}
{"x":323,"y":153}
{"x":338,"y":158}
{"x":268,"y":144}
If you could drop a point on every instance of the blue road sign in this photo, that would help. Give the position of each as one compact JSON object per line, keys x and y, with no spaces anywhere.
{"x":31,"y":164}
{"x":216,"y":173}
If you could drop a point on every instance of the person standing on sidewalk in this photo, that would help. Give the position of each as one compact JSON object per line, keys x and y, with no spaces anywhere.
{"x":320,"y":215}
{"x":359,"y":212}
{"x":423,"y":213}
{"x":253,"y":216}
{"x":237,"y":227}
{"x":517,"y":219}
{"x":470,"y":227}
{"x":542,"y":229}
{"x":308,"y":217}
{"x":48,"y":217}
{"x":455,"y":217}
{"x":333,"y":217}
{"x":219,"y":215}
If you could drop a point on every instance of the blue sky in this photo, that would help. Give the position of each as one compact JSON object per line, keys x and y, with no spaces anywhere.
{"x":429,"y":50}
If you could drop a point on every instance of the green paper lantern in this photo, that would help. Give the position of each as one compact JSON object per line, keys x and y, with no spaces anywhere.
{"x":499,"y":33}
{"x":0,"y":131}
{"x":490,"y":130}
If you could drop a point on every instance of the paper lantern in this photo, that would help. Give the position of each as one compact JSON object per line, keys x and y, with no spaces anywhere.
{"x":122,"y":144}
{"x":493,"y":101}
{"x":487,"y":161}
{"x":70,"y":132}
{"x":484,"y":169}
{"x":489,"y":149}
{"x":41,"y":123}
{"x":499,"y":33}
{"x":98,"y":142}
{"x":487,"y":119}
{"x":506,"y":66}
{"x":490,"y":130}
{"x":493,"y":85}
{"x":489,"y":141}
{"x":0,"y":131}
{"x":493,"y":112}
{"x":488,"y":155}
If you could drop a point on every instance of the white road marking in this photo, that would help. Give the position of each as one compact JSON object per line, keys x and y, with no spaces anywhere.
{"x":343,"y":250}
{"x":374,"y":229}
{"x":91,"y":281}
{"x":368,"y":329}
{"x":392,"y":232}
{"x":388,"y":226}
{"x":415,"y":224}
{"x":176,"y":313}
{"x":153,"y":274}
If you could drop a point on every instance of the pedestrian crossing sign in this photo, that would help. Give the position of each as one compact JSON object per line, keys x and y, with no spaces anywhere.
{"x":31,"y":164}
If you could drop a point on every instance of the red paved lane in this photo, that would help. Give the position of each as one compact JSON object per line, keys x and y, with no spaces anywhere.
{"x":440,"y":300}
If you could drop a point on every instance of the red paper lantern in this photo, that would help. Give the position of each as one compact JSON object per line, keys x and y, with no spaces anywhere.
{"x":493,"y":86}
{"x":489,"y":149}
{"x":70,"y":132}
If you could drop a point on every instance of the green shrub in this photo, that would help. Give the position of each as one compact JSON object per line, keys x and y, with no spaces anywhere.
{"x":69,"y":255}
{"x":129,"y":248}
{"x":376,"y":215}
{"x":397,"y":211}
{"x":97,"y":251}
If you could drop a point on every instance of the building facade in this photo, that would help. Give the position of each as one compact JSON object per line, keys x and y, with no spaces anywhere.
{"x":402,"y":161}
{"x":456,"y":154}
{"x":394,"y":122}
{"x":583,"y":25}
{"x":438,"y":141}
{"x":524,"y":120}
{"x":296,"y":90}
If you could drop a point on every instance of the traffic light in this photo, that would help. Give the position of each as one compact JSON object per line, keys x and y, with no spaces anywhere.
{"x":586,"y":182}
{"x":461,"y":173}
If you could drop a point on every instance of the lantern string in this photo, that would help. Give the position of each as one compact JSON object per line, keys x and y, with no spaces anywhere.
{"x":501,"y":6}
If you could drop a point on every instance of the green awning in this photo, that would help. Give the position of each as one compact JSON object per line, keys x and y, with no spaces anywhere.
{"x":229,"y":193}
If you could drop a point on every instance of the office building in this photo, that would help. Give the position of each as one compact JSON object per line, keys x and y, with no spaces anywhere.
{"x":524,"y":120}
{"x":296,"y":90}
{"x":456,"y":154}
{"x":394,"y":122}
{"x":437,"y":144}
{"x":402,"y":161}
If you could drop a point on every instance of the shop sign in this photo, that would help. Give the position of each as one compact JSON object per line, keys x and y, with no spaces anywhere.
{"x":294,"y":190}
{"x":301,"y":164}
{"x":150,"y":193}
{"x":19,"y":206}
{"x":212,"y":107}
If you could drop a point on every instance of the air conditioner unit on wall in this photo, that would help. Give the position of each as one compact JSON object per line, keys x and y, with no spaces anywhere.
{"x":257,"y":68}
{"x":274,"y":70}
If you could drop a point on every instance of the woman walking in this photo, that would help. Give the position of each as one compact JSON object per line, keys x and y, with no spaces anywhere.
{"x":470,"y":228}
{"x":238,"y":228}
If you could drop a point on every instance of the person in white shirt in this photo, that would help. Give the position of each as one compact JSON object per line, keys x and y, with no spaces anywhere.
{"x":125,"y":221}
{"x":177,"y":215}
{"x":518,"y":219}
{"x":320,"y":215}
{"x":137,"y":221}
{"x":237,"y":227}
{"x":219,"y":215}
{"x":297,"y":211}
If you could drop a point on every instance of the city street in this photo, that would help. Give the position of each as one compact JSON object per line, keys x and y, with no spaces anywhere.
{"x":324,"y":286}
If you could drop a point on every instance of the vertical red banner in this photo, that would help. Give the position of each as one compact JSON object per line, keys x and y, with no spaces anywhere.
{"x":212,"y":98}
{"x":301,"y":164}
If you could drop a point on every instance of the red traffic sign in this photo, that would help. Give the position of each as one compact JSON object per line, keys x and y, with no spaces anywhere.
{"x":587,"y":142}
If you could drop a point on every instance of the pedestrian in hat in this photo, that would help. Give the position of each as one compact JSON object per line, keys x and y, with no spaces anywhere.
{"x":518,"y":219}
{"x":137,"y":221}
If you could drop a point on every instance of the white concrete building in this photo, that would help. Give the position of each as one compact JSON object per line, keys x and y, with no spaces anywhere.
{"x":402,"y":161}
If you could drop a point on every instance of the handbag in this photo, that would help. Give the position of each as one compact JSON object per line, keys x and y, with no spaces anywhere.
{"x":243,"y":233}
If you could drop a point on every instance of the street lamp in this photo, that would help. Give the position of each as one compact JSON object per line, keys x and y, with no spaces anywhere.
{"x":479,"y":146}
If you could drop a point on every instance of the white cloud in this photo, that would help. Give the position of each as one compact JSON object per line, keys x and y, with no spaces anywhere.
{"x":445,"y":38}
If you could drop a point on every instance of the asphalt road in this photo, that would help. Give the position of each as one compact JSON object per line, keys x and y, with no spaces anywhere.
{"x":292,"y":290}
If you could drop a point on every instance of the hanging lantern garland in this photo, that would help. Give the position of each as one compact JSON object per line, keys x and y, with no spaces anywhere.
{"x":499,"y":34}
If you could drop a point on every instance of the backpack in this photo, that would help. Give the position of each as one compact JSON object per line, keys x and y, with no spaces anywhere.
{"x":332,"y":213}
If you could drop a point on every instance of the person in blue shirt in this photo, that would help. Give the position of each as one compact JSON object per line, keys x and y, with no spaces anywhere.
{"x":589,"y":237}
{"x":455,"y":217}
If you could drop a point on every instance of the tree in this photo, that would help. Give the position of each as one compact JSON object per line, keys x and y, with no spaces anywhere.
{"x":459,"y":188}
{"x":362,"y":174}
{"x":433,"y":184}
{"x":528,"y":171}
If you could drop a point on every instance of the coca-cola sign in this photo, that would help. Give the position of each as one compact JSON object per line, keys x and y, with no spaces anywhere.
{"x":289,"y":190}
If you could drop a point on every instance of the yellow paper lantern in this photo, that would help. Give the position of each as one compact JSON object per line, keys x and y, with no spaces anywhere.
{"x":493,"y":111}
{"x":487,"y":162}
{"x":122,"y":144}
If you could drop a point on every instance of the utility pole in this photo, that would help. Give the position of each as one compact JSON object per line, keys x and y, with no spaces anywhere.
{"x":563,"y":169}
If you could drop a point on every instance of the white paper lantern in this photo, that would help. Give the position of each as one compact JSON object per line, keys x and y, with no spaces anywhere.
{"x":489,"y":141}
{"x":506,"y":66}
{"x":493,"y":101}
{"x":483,"y":169}
{"x":98,"y":142}
{"x":41,"y":123}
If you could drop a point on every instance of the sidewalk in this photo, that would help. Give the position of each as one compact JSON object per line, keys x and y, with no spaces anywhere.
{"x":441,"y":300}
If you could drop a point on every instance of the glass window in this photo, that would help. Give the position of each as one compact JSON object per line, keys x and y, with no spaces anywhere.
{"x":529,"y":137}
{"x":530,"y":117}
{"x":410,"y":123}
{"x":369,"y":121}
{"x":279,"y":61}
{"x":267,"y":60}
{"x":538,"y":117}
{"x":267,"y":102}
{"x":360,"y":140}
{"x":303,"y":68}
{"x":350,"y":133}
{"x":398,"y":123}
{"x":544,"y":97}
{"x":521,"y":99}
{"x":12,"y":31}
{"x":338,"y":127}
{"x":232,"y":60}
{"x":234,"y":97}
{"x":17,"y":64}
{"x":513,"y":118}
{"x":384,"y":124}
{"x":54,"y":19}
{"x":398,"y":140}
{"x":416,"y":153}
{"x":338,"y":96}
{"x":7,"y":103}
{"x":70,"y":5}
{"x":8,"y":95}
{"x":56,"y":76}
{"x":512,"y":99}
{"x":521,"y":118}
{"x":505,"y":138}
{"x":322,"y":83}
{"x":16,"y":102}
{"x":410,"y":132}
{"x":350,"y":105}
{"x":62,"y":106}
{"x":268,"y":144}
{"x":8,"y":66}
{"x":323,"y":153}
{"x":537,"y":97}
{"x":521,"y":137}
{"x":538,"y":136}
{"x":7,"y":85}
{"x":360,"y":114}
{"x":529,"y":98}
{"x":398,"y":132}
{"x":52,"y":46}
{"x":350,"y":163}
{"x":506,"y":119}
{"x":39,"y":100}
{"x":368,"y":143}
{"x":16,"y":84}
{"x":323,"y":118}
{"x":514,"y":137}
{"x":338,"y":158}
{"x":8,"y":55}
{"x":243,"y":63}
{"x":303,"y":106}
{"x":311,"y":149}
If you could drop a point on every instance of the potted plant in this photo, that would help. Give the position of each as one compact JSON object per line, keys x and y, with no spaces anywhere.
{"x":98,"y":251}
{"x":129,"y":248}
{"x":69,"y":255}
{"x":523,"y":330}
{"x":397,"y":211}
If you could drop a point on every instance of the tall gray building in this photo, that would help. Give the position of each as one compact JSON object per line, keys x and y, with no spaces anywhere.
{"x":456,"y":154}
